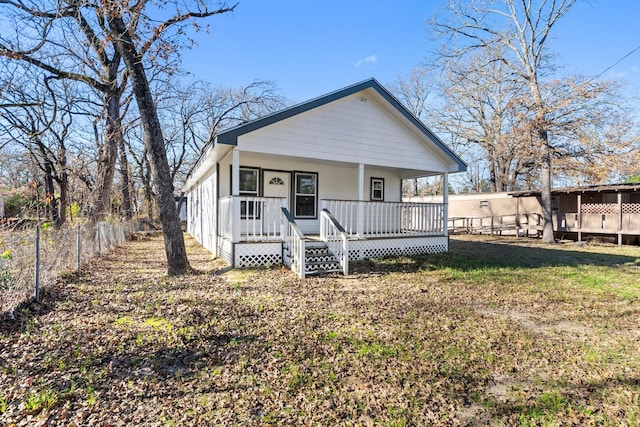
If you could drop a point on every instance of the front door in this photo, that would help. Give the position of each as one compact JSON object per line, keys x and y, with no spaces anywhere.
{"x":276,"y":184}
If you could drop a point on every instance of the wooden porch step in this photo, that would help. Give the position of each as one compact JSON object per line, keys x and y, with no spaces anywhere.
{"x":318,"y":259}
{"x":324,"y":271}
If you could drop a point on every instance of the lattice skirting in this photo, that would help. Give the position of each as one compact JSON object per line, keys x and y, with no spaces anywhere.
{"x":258,"y":254}
{"x":379,"y":248}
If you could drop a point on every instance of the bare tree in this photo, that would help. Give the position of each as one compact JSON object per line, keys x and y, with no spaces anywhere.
{"x":69,"y":40}
{"x":123,"y":23}
{"x":519,"y":30}
{"x":36,"y":122}
{"x":415,"y":91}
{"x":89,"y":42}
{"x":479,"y":109}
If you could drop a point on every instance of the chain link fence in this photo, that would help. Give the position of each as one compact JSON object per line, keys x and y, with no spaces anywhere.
{"x":32,"y":258}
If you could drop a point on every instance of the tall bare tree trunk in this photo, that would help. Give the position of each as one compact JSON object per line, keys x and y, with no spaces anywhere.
{"x":63,"y":202}
{"x":154,"y":142}
{"x":545,"y":195}
{"x":125,"y":181}
{"x":51,"y":194}
{"x":101,"y":196}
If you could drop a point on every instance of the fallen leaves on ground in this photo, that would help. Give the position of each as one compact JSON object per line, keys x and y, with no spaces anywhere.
{"x":402,"y":342}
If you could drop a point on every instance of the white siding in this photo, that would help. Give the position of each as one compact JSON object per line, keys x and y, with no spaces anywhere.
{"x":202,"y":212}
{"x":335,"y":180}
{"x":348,"y":130}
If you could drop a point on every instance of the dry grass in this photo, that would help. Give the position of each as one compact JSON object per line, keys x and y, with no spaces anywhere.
{"x":493,"y":333}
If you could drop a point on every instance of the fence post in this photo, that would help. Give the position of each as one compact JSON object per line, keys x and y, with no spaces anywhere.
{"x":37,"y":266}
{"x":78,"y":248}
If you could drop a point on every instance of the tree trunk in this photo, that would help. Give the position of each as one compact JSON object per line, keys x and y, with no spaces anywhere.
{"x":63,"y":202}
{"x":148,"y":191}
{"x":545,"y":191}
{"x":154,"y":142}
{"x":51,"y":195}
{"x":492,"y":175}
{"x":124,"y":177}
{"x":545,"y":194}
{"x":100,"y":199}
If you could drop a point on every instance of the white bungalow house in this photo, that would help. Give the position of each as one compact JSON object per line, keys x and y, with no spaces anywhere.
{"x":319,"y":183}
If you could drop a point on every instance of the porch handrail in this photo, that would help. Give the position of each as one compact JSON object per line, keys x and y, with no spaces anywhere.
{"x":374,"y":219}
{"x":336,"y":238}
{"x":250,"y":218}
{"x":294,"y":241}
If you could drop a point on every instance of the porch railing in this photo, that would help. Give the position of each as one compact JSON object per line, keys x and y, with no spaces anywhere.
{"x":294,"y":243}
{"x":388,"y":219}
{"x":336,"y":238}
{"x":255,"y":219}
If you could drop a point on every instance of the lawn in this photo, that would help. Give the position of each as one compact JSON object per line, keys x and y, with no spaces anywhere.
{"x":496,"y":332}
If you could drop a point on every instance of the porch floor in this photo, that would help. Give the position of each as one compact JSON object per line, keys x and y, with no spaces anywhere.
{"x":244,"y":238}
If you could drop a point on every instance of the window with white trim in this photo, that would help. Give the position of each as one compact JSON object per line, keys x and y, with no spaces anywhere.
{"x":249,"y":187}
{"x":377,"y":189}
{"x":305,"y":195}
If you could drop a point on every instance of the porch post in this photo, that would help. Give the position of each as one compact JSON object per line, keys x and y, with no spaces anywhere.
{"x":445,"y":203}
{"x":579,"y":217}
{"x":518,"y":218}
{"x":619,"y":218}
{"x":235,"y":193}
{"x":360,"y":225}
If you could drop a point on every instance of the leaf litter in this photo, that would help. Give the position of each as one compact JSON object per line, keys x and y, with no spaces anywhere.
{"x":405,"y":341}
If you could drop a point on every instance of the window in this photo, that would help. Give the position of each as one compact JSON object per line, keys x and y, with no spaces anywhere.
{"x":377,"y":189}
{"x":484,"y":203}
{"x":248,"y":187}
{"x":276,"y":180}
{"x":305,"y":195}
{"x":249,"y":181}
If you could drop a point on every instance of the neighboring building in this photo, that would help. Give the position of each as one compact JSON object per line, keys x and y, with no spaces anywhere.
{"x":318,"y":184}
{"x":491,"y":213}
{"x":609,"y":212}
{"x":604,"y":211}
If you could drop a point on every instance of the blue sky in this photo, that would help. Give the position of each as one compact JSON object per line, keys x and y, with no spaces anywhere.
{"x":311,"y":48}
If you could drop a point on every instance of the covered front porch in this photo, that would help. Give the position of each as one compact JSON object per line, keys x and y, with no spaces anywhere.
{"x":260,"y":219}
{"x":255,"y":231}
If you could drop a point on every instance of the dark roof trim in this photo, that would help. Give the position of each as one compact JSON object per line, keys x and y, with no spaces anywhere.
{"x":609,"y":188}
{"x":230,"y":136}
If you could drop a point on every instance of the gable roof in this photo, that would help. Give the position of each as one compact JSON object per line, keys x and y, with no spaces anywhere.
{"x":230,"y":136}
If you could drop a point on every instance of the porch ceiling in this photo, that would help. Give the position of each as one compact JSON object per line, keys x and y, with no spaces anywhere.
{"x":404,"y":173}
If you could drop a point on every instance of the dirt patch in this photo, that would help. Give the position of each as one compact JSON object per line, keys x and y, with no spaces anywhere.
{"x":536,"y":324}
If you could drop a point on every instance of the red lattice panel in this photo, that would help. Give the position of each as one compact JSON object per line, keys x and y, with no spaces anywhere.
{"x":631,"y":208}
{"x":600,"y":208}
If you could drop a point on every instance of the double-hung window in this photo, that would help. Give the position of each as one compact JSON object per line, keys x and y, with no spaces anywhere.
{"x":377,"y":189}
{"x":249,"y":187}
{"x":305,"y":195}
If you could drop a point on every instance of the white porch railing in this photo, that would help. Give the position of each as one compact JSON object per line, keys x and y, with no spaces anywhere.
{"x":294,"y":243}
{"x":255,"y":219}
{"x":336,"y":238}
{"x":388,"y":219}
